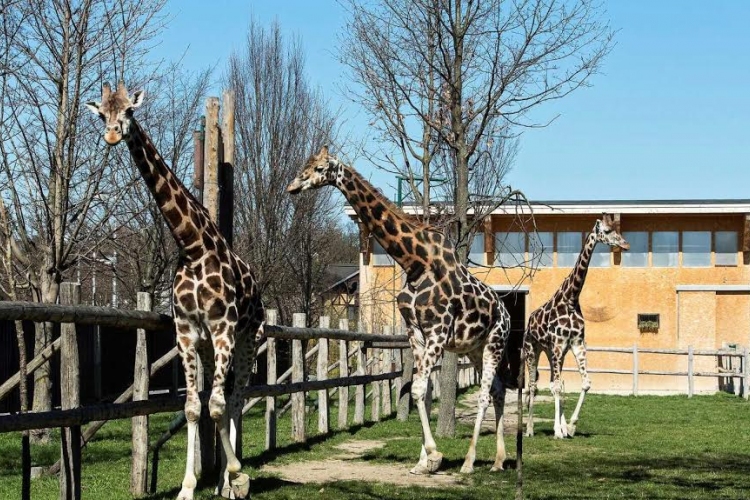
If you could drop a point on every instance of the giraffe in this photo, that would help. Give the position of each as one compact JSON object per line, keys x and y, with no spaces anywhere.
{"x":558,"y":325}
{"x":443,"y":305}
{"x":216,"y":304}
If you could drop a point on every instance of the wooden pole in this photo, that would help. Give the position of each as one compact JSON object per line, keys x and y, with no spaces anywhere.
{"x":211,"y":159}
{"x":271,"y":319}
{"x":139,"y":463}
{"x":690,"y":371}
{"x":746,"y":373}
{"x":323,"y":428}
{"x":635,"y":369}
{"x":206,"y":443}
{"x":404,"y":396}
{"x":70,"y":398}
{"x":385,"y":367}
{"x":226,"y":167}
{"x":360,"y":390}
{"x":343,"y":372}
{"x":375,"y":370}
{"x":298,"y":375}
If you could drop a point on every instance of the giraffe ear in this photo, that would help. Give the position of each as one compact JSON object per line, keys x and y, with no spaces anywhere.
{"x":323,"y":151}
{"x":137,"y":98}
{"x":94,"y":107}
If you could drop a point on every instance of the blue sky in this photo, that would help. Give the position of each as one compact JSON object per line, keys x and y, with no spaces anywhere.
{"x":666,"y":119}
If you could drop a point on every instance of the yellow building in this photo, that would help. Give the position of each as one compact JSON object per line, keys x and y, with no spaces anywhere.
{"x":684,"y":283}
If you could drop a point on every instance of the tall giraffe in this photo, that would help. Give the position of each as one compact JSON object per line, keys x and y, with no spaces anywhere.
{"x":443,"y":305}
{"x":558,"y":325}
{"x":216,"y":304}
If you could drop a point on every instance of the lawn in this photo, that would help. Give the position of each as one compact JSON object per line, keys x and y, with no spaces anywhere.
{"x":626,"y":447}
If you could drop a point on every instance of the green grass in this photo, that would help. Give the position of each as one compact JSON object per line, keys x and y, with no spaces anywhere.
{"x":626,"y":447}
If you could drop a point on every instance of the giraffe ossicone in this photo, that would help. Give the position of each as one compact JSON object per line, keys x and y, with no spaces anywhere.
{"x":216,"y":304}
{"x":443,"y":305}
{"x":558,"y":326}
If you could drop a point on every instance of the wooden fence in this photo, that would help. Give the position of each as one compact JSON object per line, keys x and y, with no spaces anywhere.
{"x":381,"y":363}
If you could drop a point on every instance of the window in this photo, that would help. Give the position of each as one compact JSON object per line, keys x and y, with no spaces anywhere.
{"x":379,"y":256}
{"x":648,"y":322}
{"x":511,"y":249}
{"x":476,"y":252}
{"x":568,"y":248}
{"x":726,"y":248}
{"x":665,"y":246}
{"x":600,"y":257}
{"x":541,"y":246}
{"x":696,"y":248}
{"x":637,"y":256}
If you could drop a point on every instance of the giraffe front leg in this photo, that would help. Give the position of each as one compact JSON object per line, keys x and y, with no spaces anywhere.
{"x":561,"y":428}
{"x":579,"y":351}
{"x":186,"y":339}
{"x":425,"y":357}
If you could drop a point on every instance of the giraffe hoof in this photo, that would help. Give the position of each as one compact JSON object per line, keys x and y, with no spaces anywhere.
{"x":434,"y":460}
{"x":529,"y":433}
{"x":419,"y":470}
{"x":185,"y":494}
{"x":467,"y":469}
{"x":571,"y":430}
{"x":239,"y":487}
{"x":497,"y":468}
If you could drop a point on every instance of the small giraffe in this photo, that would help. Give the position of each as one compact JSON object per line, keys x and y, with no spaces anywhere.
{"x":443,"y":305}
{"x":216,"y":303}
{"x":558,"y":325}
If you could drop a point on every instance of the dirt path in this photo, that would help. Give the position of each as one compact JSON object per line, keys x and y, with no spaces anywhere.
{"x":347,"y":464}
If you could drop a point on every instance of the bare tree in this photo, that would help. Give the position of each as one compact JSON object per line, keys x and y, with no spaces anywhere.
{"x":446,"y":82}
{"x":57,"y":178}
{"x":280,"y":120}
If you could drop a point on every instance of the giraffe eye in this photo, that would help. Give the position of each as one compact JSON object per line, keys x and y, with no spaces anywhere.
{"x":319,"y":168}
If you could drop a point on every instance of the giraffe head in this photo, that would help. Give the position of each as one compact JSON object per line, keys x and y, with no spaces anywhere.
{"x":320,"y":170}
{"x":606,"y":233}
{"x":116,"y":110}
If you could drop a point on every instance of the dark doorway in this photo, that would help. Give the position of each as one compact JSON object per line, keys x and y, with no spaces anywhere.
{"x":515,"y":302}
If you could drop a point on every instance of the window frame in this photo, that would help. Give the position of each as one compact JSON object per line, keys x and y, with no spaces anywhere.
{"x":654,"y":253}
{"x":626,"y":254}
{"x":576,"y":253}
{"x":703,"y":254}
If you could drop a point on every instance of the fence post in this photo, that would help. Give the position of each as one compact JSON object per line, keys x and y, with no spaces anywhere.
{"x":360,"y":390}
{"x":635,"y":369}
{"x":325,"y":322}
{"x":746,"y":373}
{"x":299,"y":320}
{"x":387,"y":367}
{"x":70,"y":398}
{"x":374,"y":370}
{"x":271,"y":319}
{"x":139,"y":462}
{"x":690,"y":371}
{"x":404,"y":393}
{"x":343,"y":373}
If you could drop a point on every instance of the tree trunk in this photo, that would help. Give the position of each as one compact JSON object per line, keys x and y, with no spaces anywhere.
{"x":42,"y":382}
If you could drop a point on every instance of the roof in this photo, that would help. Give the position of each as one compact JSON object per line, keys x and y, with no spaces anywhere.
{"x":593,"y":207}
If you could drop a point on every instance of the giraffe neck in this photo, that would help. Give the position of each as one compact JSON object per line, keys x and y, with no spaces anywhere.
{"x":405,"y":241}
{"x":573,"y":284}
{"x":187,"y":219}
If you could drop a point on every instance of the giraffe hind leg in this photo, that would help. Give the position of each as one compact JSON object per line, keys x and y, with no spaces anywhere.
{"x":425,"y":357}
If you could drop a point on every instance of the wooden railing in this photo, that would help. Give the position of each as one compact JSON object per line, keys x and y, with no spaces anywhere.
{"x":380,"y":361}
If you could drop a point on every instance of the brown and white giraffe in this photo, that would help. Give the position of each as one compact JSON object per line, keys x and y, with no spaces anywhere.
{"x":216,"y":303}
{"x":558,"y":325}
{"x":443,"y":305}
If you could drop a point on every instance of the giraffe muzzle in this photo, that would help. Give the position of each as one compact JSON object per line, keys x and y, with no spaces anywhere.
{"x":295,"y":187}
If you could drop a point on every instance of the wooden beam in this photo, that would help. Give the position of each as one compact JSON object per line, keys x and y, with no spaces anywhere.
{"x":84,"y":315}
{"x":489,"y":236}
{"x":746,"y":234}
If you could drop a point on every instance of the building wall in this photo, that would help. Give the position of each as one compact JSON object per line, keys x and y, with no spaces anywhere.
{"x":614,"y":296}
